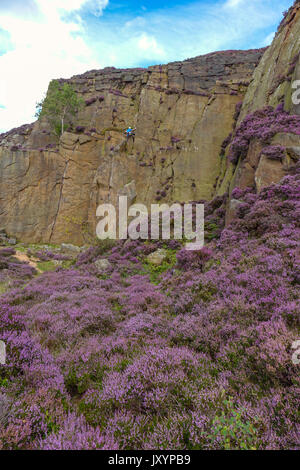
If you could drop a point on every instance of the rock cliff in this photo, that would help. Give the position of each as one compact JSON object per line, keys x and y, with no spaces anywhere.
{"x":188,"y":116}
{"x":268,"y":123}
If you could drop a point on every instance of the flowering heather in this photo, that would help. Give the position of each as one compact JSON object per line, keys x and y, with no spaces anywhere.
{"x":274,"y":152}
{"x":238,"y":108}
{"x":80,"y":129}
{"x":225,"y":143}
{"x":193,"y":259}
{"x":198,"y":93}
{"x":262,"y":125}
{"x":90,"y":101}
{"x":12,"y":272}
{"x":47,"y":255}
{"x":193,"y":354}
{"x":286,"y":16}
{"x":117,"y":92}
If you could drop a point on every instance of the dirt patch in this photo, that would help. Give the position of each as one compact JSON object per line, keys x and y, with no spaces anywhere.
{"x":25,"y":259}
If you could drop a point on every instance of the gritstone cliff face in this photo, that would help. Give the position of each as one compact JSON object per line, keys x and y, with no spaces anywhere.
{"x":187,"y":117}
{"x":268,"y":128}
{"x":182,"y":111}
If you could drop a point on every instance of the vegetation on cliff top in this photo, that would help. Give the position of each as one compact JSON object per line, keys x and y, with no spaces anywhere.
{"x":59,"y":105}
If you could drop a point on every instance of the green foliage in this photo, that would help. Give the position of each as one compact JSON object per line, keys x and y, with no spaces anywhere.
{"x":4,"y":286}
{"x":68,"y":263}
{"x":59,"y":105}
{"x":155,"y":271}
{"x":233,"y":431}
{"x":4,"y":382}
{"x":46,"y":266}
{"x":211,"y":231}
{"x":104,"y":246}
{"x":52,"y":426}
{"x":78,"y":381}
{"x":76,"y":384}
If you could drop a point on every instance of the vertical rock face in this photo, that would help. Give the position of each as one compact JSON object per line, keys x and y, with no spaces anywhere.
{"x":278,"y":69}
{"x":203,"y":127}
{"x":182,"y":112}
{"x":267,"y":138}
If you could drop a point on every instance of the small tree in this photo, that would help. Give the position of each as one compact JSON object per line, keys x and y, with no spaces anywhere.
{"x":60,"y":103}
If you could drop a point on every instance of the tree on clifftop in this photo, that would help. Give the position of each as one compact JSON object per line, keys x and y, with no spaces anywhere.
{"x":60,"y":103}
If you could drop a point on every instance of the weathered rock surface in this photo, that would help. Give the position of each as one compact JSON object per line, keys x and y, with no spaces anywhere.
{"x":69,"y":248}
{"x":182,"y":113}
{"x":278,"y":68}
{"x":157,"y":257}
{"x":272,"y":85}
{"x":102,"y":265}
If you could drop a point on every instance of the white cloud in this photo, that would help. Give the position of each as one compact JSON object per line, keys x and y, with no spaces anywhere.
{"x":24,"y":8}
{"x":269,"y":39}
{"x":44,"y":46}
{"x":187,"y":31}
{"x":94,"y":6}
{"x":233,"y":3}
{"x":149,"y":43}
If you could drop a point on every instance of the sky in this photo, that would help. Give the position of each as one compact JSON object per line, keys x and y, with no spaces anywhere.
{"x":45,"y":39}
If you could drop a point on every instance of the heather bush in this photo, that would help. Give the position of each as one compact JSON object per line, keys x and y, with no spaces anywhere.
{"x":47,"y":255}
{"x":193,"y":259}
{"x":274,"y":152}
{"x":263,"y":125}
{"x":13,"y":273}
{"x":75,"y":434}
{"x":90,"y":101}
{"x":194,"y":354}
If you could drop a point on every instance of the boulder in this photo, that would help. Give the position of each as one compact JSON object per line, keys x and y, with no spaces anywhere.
{"x":57,"y":262}
{"x":157,"y":257}
{"x":3,"y":239}
{"x":268,"y":172}
{"x":102,"y":265}
{"x":84,"y":248}
{"x":69,"y":249}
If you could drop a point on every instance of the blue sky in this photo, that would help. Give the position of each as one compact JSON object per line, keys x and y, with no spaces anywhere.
{"x":45,"y":39}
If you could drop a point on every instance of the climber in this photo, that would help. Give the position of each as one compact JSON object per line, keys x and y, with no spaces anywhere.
{"x":130,"y":132}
